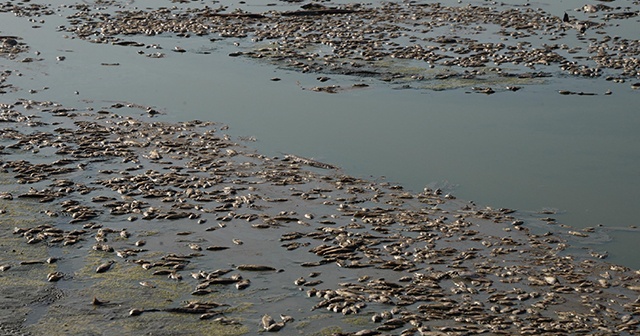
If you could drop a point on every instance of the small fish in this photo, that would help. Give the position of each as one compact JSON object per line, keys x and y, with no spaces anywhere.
{"x":202,"y":292}
{"x":255,"y":268}
{"x":136,"y":312}
{"x":275,"y":327}
{"x":242,"y":284}
{"x":207,"y":316}
{"x":147,"y":284}
{"x":104,"y":267}
{"x":267,"y":321}
{"x":97,"y":302}
{"x":216,"y":248}
{"x":54,"y":276}
{"x":174,"y":276}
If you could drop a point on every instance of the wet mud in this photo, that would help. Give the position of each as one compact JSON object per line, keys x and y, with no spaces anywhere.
{"x":112,"y":222}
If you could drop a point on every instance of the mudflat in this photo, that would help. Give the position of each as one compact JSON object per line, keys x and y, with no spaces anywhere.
{"x":115,"y":223}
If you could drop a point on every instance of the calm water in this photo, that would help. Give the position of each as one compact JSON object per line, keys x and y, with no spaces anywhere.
{"x":532,"y":150}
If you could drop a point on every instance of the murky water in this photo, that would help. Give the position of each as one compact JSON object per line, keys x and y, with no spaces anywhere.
{"x":532,"y":150}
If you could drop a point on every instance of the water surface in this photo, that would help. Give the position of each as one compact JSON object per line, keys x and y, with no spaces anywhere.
{"x":533,"y":150}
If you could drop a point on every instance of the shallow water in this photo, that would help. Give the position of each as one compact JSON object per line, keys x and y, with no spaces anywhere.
{"x":531,"y":150}
{"x":548,"y":155}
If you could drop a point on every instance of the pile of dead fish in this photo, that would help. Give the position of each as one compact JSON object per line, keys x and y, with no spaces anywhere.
{"x":362,"y":40}
{"x":420,"y":262}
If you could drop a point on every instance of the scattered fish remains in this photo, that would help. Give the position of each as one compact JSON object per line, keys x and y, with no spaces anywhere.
{"x":329,"y":243}
{"x":177,"y":224}
{"x":359,"y":39}
{"x":415,"y":43}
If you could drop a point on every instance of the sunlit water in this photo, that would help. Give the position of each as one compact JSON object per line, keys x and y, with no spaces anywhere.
{"x":533,"y":150}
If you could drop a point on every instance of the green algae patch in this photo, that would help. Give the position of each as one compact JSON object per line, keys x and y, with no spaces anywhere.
{"x":13,"y":251}
{"x":320,"y":316}
{"x":242,"y":307}
{"x":357,"y":320}
{"x":302,"y":325}
{"x":327,"y":331}
{"x":119,"y":290}
{"x":122,"y":284}
{"x":161,"y":323}
{"x":312,"y":322}
{"x":106,"y":320}
{"x":70,"y":320}
{"x":25,"y":276}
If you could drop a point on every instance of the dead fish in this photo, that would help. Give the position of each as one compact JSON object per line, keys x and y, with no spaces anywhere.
{"x":31,"y":262}
{"x":227,"y":321}
{"x":136,"y":312}
{"x":97,"y":302}
{"x":147,"y":284}
{"x":216,"y":248}
{"x":255,"y":268}
{"x":242,"y":284}
{"x":198,"y":275}
{"x":312,"y":283}
{"x":207,"y":316}
{"x":202,"y":292}
{"x":286,"y":318}
{"x":221,"y":281}
{"x":54,"y":276}
{"x":267,"y":321}
{"x":206,"y":304}
{"x":217,"y":273}
{"x":275,"y":327}
{"x":104,"y":267}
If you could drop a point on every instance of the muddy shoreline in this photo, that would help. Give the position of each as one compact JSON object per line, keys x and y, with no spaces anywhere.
{"x":167,"y":228}
{"x":114,"y":220}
